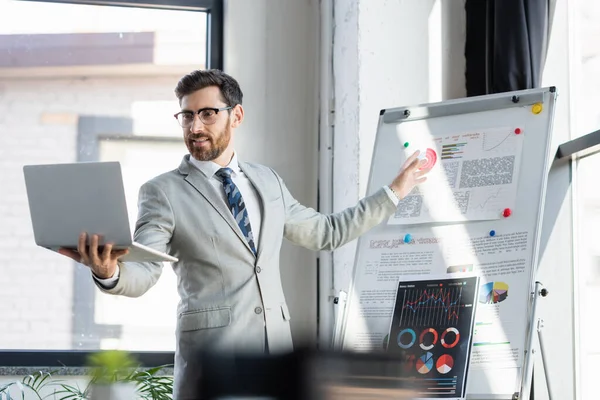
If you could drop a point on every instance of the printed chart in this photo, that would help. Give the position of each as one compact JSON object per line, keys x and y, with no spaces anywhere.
{"x":493,"y":292}
{"x":435,"y":306}
{"x":431,"y":329}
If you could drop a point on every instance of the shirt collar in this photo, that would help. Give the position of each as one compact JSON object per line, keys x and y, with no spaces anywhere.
{"x":210,"y":168}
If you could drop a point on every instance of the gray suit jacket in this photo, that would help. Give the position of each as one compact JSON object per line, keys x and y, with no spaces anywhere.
{"x":230,"y":298}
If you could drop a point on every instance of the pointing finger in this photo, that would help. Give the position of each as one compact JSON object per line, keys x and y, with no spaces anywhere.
{"x":413,"y":166}
{"x":422,"y":172}
{"x":411,"y":159}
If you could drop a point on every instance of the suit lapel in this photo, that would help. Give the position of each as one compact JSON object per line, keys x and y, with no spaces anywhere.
{"x":261,"y":187}
{"x":204,"y":187}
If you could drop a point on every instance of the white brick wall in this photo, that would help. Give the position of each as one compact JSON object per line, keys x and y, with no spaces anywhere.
{"x":36,"y":285}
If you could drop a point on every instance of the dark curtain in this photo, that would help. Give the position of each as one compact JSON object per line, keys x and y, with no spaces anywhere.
{"x":506,"y":44}
{"x":505,"y":48}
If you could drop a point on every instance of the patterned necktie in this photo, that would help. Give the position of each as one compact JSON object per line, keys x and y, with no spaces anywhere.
{"x":237,"y":205}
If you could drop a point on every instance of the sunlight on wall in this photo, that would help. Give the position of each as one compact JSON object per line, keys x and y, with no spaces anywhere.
{"x":435,"y":53}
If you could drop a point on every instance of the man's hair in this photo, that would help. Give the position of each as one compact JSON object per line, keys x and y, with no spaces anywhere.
{"x":230,"y":90}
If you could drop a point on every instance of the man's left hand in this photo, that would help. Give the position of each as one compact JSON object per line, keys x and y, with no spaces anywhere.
{"x":410,"y":176}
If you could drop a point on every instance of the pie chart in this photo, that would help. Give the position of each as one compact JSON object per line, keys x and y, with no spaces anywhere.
{"x":428,"y":339}
{"x":450,"y":337}
{"x":425,"y":363}
{"x":431,"y":156}
{"x":406,"y":338}
{"x":493,"y":292}
{"x":444,"y":364}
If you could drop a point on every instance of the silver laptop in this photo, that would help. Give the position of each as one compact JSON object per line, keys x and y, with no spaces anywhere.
{"x":67,"y":199}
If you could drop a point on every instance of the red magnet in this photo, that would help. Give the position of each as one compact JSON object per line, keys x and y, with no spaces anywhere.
{"x":518,"y":131}
{"x":506,"y":213}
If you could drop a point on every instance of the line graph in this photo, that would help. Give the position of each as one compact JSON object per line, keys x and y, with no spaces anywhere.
{"x":431,"y":307}
{"x":502,"y":140}
{"x":488,"y":147}
{"x":492,"y":196}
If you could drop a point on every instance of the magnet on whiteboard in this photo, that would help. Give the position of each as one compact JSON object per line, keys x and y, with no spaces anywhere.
{"x":537,"y":108}
{"x":492,"y":233}
{"x":407,"y":238}
{"x":518,"y":131}
{"x":506,"y":213}
{"x":405,"y":144}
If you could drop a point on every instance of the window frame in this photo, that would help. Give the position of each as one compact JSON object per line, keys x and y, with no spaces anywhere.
{"x":214,"y":59}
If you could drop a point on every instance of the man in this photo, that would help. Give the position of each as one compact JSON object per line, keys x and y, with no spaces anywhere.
{"x":224,"y":220}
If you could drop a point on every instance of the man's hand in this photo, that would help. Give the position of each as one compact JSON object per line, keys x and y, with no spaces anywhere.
{"x":410,"y":176}
{"x":102,"y":263}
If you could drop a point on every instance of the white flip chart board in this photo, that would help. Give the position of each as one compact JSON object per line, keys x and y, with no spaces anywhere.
{"x":480,"y":212}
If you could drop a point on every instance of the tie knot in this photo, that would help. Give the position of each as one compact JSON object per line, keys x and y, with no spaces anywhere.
{"x":224,"y":173}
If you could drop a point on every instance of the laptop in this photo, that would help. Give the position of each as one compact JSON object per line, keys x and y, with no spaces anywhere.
{"x":67,"y":199}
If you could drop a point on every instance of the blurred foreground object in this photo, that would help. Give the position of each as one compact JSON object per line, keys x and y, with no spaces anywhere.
{"x":304,"y":374}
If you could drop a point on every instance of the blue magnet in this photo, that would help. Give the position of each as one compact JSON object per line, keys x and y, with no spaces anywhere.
{"x":407,"y":238}
{"x":492,"y":233}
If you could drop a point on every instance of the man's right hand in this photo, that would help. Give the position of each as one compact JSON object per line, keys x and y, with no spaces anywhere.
{"x":102,"y":263}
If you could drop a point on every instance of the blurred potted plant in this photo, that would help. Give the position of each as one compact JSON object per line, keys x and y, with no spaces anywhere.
{"x":117,"y":376}
{"x":111,"y":373}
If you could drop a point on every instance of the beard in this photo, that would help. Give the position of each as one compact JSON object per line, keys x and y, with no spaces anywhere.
{"x":216,"y":145}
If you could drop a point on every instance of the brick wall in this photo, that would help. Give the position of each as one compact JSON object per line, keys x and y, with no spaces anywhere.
{"x":38,"y":124}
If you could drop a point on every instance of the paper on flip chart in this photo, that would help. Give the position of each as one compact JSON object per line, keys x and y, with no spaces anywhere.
{"x":446,"y":252}
{"x":474,"y":176}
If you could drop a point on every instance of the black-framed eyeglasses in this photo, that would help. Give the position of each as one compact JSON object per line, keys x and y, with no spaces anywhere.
{"x":208,"y":116}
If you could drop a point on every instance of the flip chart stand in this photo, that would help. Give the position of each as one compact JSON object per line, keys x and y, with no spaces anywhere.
{"x":537,"y":324}
{"x":340,"y":303}
{"x":573,"y":150}
{"x":568,"y":152}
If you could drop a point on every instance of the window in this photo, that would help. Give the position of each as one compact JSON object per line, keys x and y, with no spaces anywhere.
{"x":90,"y":83}
{"x":586,"y":114}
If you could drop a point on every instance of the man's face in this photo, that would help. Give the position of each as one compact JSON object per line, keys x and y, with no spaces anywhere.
{"x":206,"y":142}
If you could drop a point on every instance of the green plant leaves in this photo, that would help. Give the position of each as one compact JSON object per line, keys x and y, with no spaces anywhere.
{"x":149,"y":385}
{"x":69,"y":392}
{"x":37,"y":381}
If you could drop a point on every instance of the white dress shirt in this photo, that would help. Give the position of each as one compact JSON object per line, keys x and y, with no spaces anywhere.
{"x":249,"y":194}
{"x":246,"y":188}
